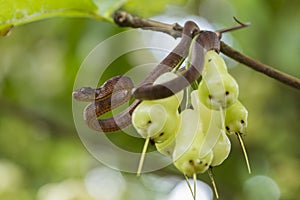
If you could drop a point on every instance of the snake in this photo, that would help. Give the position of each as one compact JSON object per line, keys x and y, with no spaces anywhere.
{"x":206,"y":40}
{"x":113,"y":93}
{"x":119,"y":89}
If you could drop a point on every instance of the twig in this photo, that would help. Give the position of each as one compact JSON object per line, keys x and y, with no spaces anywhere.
{"x":125,"y":19}
{"x":239,"y":26}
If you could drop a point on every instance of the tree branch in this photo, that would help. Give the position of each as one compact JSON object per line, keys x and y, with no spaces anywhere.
{"x":125,"y":19}
{"x":260,"y":67}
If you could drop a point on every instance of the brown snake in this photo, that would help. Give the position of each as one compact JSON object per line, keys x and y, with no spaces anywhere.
{"x":206,"y":40}
{"x":117,"y":90}
{"x":110,"y":95}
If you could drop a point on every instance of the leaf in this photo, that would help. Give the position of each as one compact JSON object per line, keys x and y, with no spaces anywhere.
{"x":107,"y":7}
{"x":146,"y":8}
{"x":17,"y":12}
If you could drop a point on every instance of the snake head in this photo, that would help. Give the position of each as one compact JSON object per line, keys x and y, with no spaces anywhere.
{"x":84,"y":94}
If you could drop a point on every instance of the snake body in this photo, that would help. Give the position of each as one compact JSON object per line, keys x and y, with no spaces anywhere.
{"x":117,"y":90}
{"x":113,"y":93}
{"x":206,"y":40}
{"x":115,"y":84}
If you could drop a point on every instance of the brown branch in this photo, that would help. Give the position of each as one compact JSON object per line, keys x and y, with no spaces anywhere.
{"x":260,"y":67}
{"x":125,"y":19}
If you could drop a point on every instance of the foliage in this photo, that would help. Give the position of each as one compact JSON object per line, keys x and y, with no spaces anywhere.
{"x":14,"y":13}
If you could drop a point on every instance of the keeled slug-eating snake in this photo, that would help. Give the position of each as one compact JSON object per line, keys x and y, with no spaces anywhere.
{"x":120,"y":89}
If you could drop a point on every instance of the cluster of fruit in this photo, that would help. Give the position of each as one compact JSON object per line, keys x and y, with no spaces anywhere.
{"x":195,"y":138}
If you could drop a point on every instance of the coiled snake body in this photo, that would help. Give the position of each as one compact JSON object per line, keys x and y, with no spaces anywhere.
{"x":120,"y":89}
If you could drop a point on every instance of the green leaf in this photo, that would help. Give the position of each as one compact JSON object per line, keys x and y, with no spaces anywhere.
{"x":107,"y":7}
{"x":147,"y":8}
{"x":17,"y":12}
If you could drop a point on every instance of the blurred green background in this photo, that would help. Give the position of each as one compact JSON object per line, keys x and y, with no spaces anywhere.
{"x":42,"y":157}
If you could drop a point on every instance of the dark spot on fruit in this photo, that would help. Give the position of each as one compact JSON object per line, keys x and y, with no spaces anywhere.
{"x":191,"y":162}
{"x":209,"y":60}
{"x":161,"y":134}
{"x":242,"y":121}
{"x":149,"y":122}
{"x":227,"y":128}
{"x":226,"y":93}
{"x":152,"y":142}
{"x":200,"y":162}
{"x":210,"y":96}
{"x":206,"y":164}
